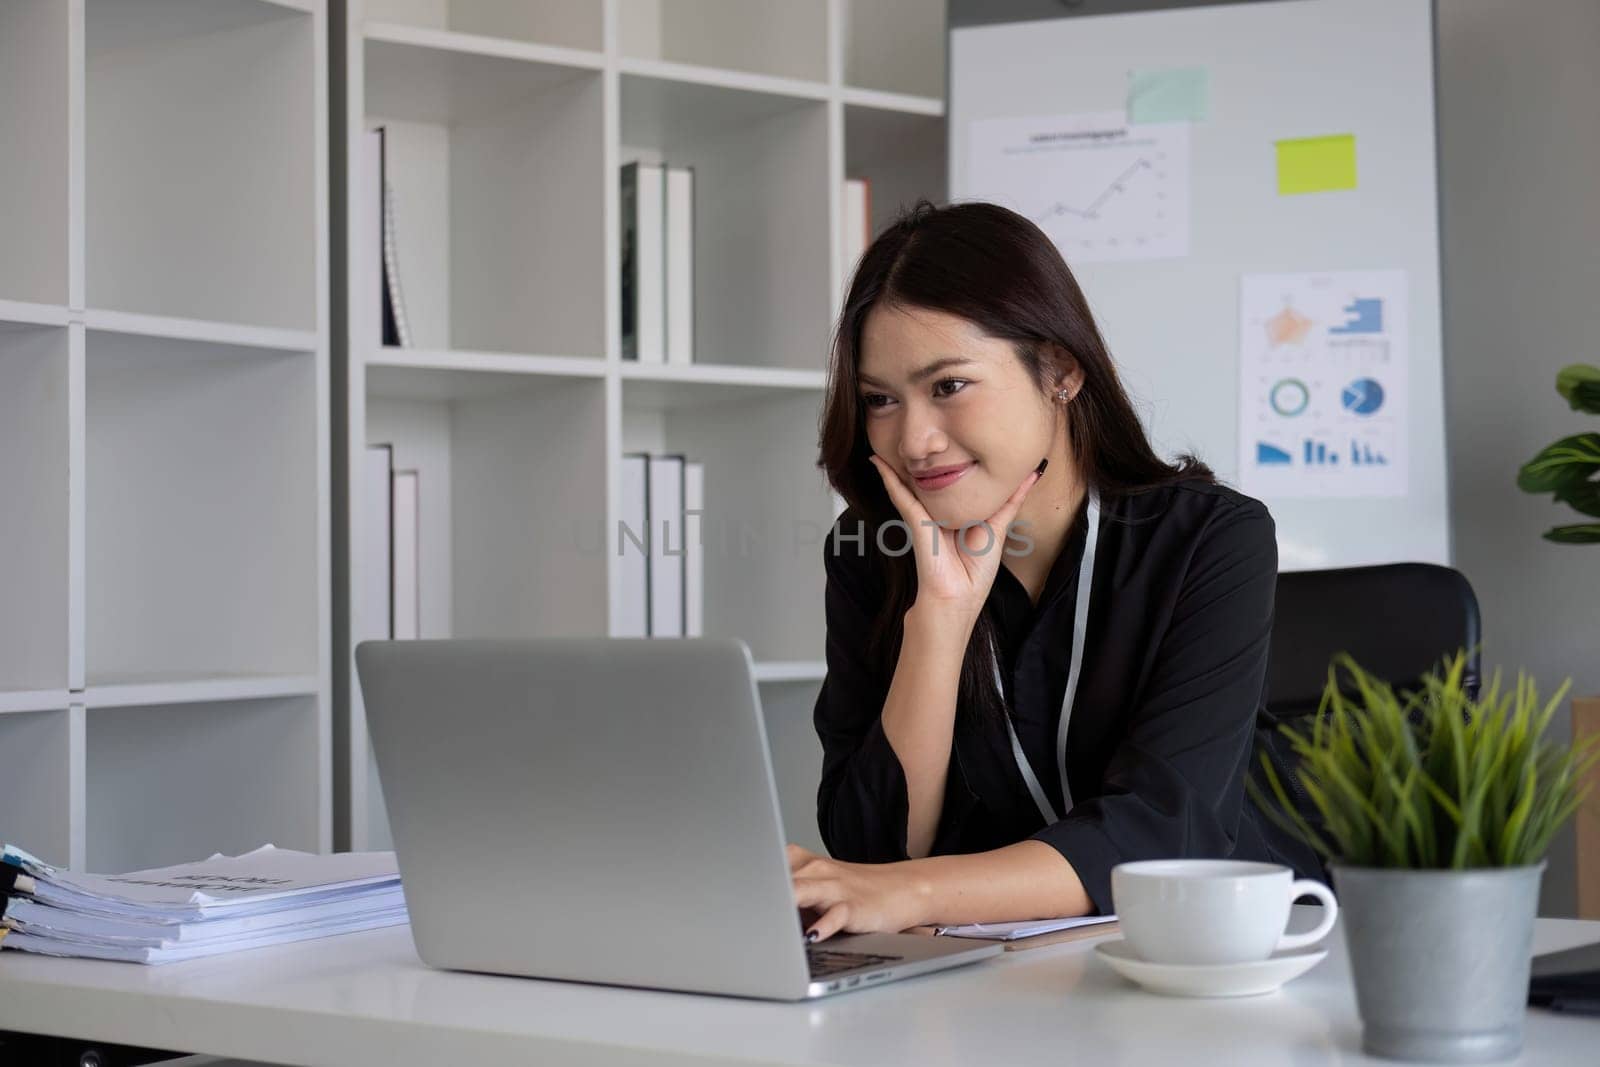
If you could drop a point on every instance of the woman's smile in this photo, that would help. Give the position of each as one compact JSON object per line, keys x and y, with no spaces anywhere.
{"x":939,"y":477}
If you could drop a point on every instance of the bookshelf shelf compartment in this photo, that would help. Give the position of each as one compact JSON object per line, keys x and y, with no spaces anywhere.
{"x":895,"y":46}
{"x":902,"y":155}
{"x":175,"y":782}
{"x":34,"y":521}
{"x":35,"y":757}
{"x":201,"y":130}
{"x":783,"y":38}
{"x":497,"y":174}
{"x":35,"y":82}
{"x":561,"y":23}
{"x":202,"y":510}
{"x":499,"y":518}
{"x":761,"y":234}
{"x":766,"y":511}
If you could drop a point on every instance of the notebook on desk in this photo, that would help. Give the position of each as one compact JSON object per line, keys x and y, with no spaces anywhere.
{"x":1034,"y":933}
{"x":1016,"y":931}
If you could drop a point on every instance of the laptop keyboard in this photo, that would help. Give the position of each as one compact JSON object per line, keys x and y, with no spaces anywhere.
{"x":825,"y":962}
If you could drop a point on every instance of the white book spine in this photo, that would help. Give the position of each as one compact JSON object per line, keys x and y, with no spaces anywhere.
{"x":650,"y":288}
{"x":855,"y":223}
{"x":630,"y":598}
{"x":666,"y":546}
{"x":694,"y":502}
{"x":377,"y":621}
{"x":407,"y":596}
{"x":368,"y":255}
{"x":680,"y":265}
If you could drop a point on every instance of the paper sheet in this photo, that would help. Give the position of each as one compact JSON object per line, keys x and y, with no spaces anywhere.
{"x":1027,"y":928}
{"x":1100,"y":188}
{"x":1174,"y":94}
{"x":1323,"y":384}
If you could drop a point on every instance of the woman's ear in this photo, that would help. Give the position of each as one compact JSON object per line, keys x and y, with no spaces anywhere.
{"x":1069,"y":378}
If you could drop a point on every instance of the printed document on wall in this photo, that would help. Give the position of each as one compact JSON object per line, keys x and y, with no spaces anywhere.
{"x":1100,"y":188}
{"x":1322,"y":384}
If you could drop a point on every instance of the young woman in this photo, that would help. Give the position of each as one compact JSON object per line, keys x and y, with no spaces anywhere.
{"x":1046,"y":646}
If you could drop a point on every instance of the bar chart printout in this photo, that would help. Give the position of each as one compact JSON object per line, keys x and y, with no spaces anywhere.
{"x":1322,"y":384}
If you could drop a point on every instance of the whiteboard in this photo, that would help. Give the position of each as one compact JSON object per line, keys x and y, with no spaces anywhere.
{"x":1171,"y":311}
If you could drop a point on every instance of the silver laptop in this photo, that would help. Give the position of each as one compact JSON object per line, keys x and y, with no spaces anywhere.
{"x":602,"y":810}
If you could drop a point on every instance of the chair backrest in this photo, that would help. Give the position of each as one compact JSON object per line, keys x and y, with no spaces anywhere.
{"x":1398,"y":621}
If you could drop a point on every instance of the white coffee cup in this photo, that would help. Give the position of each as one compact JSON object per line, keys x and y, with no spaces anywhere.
{"x":1212,"y":911}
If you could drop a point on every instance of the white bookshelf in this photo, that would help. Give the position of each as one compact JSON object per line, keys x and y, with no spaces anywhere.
{"x":508,"y":122}
{"x":165,"y":637}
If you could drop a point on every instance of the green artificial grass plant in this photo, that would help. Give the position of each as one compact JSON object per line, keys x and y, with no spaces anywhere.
{"x":1431,"y":778}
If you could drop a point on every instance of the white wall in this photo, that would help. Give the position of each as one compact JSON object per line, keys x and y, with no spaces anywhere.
{"x":1519,"y":149}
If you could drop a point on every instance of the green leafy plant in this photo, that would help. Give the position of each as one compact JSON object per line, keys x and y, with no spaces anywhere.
{"x":1569,"y":467}
{"x":1432,"y":778}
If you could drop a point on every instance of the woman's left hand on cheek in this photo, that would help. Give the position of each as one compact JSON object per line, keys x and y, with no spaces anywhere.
{"x":856,"y":898}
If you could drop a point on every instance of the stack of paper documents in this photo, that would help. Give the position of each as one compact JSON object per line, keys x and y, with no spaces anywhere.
{"x":1017,"y":931}
{"x":223,"y":904}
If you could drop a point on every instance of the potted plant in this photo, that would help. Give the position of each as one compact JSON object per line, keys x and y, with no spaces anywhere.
{"x":1434,"y":810}
{"x":1568,"y":470}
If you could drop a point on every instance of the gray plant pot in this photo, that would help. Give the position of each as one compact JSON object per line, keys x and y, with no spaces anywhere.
{"x":1440,"y":959}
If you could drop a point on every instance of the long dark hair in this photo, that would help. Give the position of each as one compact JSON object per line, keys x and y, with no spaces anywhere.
{"x":994,"y":268}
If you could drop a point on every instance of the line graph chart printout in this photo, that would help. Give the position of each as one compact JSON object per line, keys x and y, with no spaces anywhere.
{"x":1102,"y":189}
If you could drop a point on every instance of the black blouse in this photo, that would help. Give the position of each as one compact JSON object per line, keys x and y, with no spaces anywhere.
{"x":1168,"y":716}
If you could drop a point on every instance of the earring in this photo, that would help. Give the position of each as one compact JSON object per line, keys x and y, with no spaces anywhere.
{"x":1063,"y":396}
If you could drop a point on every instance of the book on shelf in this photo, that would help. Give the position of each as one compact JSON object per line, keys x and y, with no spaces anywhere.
{"x":694,"y":593}
{"x":366,"y":257}
{"x":680,"y":265}
{"x":377,"y":540}
{"x":644,"y":305}
{"x":857,"y":222}
{"x":666,"y":560}
{"x":631,"y":597}
{"x":379,"y":240}
{"x":405,"y":554}
{"x":660,"y":590}
{"x":657,"y":203}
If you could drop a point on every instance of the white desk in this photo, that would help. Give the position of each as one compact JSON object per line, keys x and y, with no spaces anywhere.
{"x":367,"y":999}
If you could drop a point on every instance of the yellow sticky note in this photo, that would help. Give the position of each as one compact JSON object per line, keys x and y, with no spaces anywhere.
{"x":1317,"y":164}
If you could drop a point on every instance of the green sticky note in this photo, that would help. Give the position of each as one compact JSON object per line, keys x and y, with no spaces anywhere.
{"x":1175,"y":94}
{"x":1317,"y":164}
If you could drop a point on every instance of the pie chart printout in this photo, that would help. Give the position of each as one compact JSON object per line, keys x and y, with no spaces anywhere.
{"x":1364,"y":396}
{"x":1322,"y":384}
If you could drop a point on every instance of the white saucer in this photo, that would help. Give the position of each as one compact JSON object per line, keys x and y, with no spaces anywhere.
{"x":1210,"y":979}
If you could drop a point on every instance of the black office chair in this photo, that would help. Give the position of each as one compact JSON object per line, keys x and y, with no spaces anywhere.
{"x":1398,"y":620}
